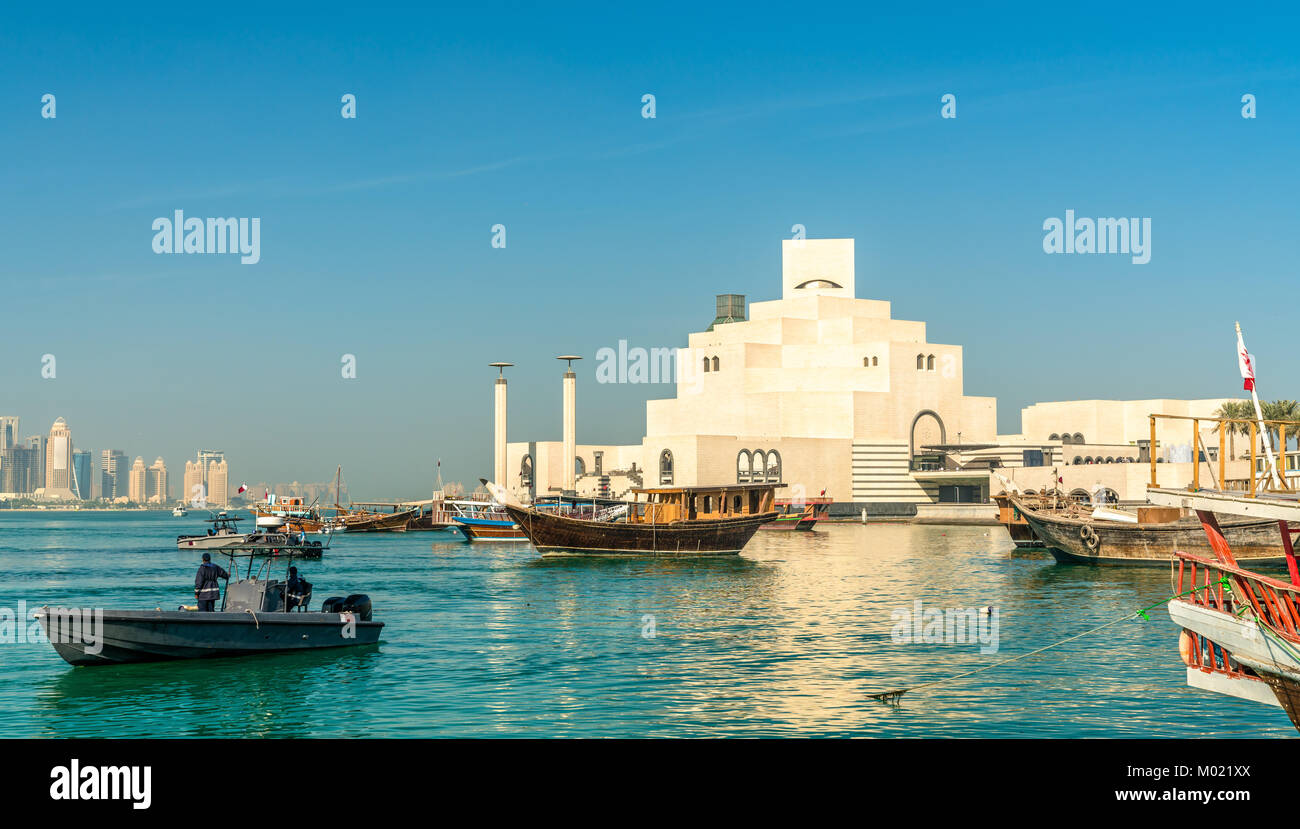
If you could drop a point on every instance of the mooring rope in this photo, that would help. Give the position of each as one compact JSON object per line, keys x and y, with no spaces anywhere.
{"x":893,"y":696}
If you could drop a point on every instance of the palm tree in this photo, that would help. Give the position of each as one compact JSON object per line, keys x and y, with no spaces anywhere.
{"x":1285,"y":411}
{"x":1234,"y":410}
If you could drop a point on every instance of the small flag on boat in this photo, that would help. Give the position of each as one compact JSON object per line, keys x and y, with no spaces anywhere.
{"x":1246,"y":362}
{"x":242,"y":489}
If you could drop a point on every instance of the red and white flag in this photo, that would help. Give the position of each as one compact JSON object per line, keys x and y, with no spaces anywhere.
{"x":1246,"y":362}
{"x":242,"y":489}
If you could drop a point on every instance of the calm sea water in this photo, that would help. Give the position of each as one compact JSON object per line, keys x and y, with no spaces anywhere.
{"x":492,"y":640}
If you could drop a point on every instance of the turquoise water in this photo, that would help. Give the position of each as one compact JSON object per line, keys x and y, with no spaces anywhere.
{"x":492,"y":640}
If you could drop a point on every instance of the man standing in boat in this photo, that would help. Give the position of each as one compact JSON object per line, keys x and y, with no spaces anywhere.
{"x":206,"y":589}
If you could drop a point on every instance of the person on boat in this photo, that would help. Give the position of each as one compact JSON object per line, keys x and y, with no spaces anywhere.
{"x":295,"y":590}
{"x":206,"y":589}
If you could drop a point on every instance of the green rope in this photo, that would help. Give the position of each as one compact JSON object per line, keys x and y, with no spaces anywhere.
{"x":895,"y":695}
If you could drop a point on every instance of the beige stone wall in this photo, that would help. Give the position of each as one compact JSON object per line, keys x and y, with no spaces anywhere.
{"x":1129,"y":480}
{"x":1116,"y":421}
{"x":817,"y":260}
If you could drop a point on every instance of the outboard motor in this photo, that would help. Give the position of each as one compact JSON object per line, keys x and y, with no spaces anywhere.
{"x":358,"y":603}
{"x":334,"y":604}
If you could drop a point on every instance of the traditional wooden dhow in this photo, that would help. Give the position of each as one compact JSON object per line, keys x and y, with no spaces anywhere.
{"x":378,"y":517}
{"x":672,"y":521}
{"x":1072,"y":535}
{"x":1010,"y":516}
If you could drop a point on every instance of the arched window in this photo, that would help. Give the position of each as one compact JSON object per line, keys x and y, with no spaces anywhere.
{"x":1078,"y":438}
{"x":866,"y":362}
{"x":526,"y":472}
{"x":715,"y":363}
{"x":1110,"y":460}
{"x":1065,"y":438}
{"x":1078,"y":459}
{"x":920,"y":362}
{"x":875,"y":361}
{"x":1054,"y":436}
{"x":929,"y":363}
{"x":579,"y":467}
{"x":743,"y":468}
{"x":773,"y":466}
{"x":760,"y":464}
{"x":1088,"y":459}
{"x":665,"y":467}
{"x":706,"y":364}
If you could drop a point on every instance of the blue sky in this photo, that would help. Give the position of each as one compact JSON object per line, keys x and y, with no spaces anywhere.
{"x":376,"y":232}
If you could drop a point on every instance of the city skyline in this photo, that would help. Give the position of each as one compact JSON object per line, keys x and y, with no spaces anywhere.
{"x":109,"y":477}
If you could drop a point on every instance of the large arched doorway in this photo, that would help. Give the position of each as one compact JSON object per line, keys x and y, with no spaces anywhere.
{"x":927,"y":430}
{"x":665,"y":468}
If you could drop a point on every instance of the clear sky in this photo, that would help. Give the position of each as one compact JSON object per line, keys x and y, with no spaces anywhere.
{"x":376,"y":231}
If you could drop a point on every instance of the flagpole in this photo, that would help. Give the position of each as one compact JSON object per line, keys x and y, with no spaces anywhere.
{"x":1259,"y":415}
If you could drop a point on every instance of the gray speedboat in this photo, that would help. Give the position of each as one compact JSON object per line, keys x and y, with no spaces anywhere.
{"x":257,"y":615}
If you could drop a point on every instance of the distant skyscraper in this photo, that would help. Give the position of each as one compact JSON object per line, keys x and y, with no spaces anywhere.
{"x":58,"y":462}
{"x":113,"y":474}
{"x":8,"y":460}
{"x":139,"y":479}
{"x":21,"y":471}
{"x":206,"y":458}
{"x":81,"y":463}
{"x":156,"y":489}
{"x":8,"y":432}
{"x":36,"y":444}
{"x":218,"y":483}
{"x":194,"y":486}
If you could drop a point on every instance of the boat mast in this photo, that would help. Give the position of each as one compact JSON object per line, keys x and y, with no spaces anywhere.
{"x":338,"y":475}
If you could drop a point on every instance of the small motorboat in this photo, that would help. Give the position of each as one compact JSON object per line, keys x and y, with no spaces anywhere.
{"x":799,"y":516}
{"x":485,"y":521}
{"x":258,"y":615}
{"x":224,"y":532}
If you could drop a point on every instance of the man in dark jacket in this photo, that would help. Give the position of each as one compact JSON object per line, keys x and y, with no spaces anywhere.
{"x":206,"y":589}
{"x":296,"y":590}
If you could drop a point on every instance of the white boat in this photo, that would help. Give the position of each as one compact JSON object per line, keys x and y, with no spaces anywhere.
{"x":180,"y":511}
{"x":224,"y":532}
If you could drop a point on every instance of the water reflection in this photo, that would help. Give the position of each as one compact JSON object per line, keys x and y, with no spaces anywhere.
{"x":257,"y":696}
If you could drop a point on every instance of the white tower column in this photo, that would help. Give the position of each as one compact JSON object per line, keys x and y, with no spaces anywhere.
{"x":570,"y":425}
{"x":499,"y":433}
